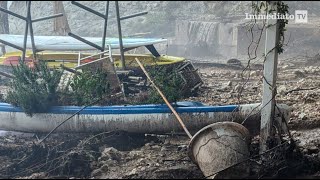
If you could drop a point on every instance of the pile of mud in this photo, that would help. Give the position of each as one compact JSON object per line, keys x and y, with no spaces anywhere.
{"x":123,"y":155}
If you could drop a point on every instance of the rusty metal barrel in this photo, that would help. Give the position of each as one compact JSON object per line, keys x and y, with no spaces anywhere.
{"x":219,"y":146}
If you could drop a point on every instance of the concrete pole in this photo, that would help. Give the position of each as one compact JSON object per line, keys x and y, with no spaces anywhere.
{"x":269,"y":80}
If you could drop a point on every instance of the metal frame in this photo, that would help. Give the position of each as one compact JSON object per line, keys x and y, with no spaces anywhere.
{"x":29,"y":21}
{"x":105,"y":17}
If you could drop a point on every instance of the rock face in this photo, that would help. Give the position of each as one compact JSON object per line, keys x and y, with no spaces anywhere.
{"x":194,"y":29}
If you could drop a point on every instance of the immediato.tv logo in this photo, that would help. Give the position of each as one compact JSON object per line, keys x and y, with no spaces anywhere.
{"x":301,"y":16}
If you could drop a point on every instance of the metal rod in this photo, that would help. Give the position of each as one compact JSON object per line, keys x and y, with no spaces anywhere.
{"x":11,"y":45}
{"x":133,"y":15}
{"x":12,"y":13}
{"x":3,"y":49}
{"x":70,"y":70}
{"x":25,"y":36}
{"x":120,"y":36}
{"x":85,"y":41}
{"x":47,"y":17}
{"x":105,"y":27}
{"x":85,"y":64}
{"x":34,"y":52}
{"x":94,"y":55}
{"x":79,"y":57}
{"x":88,"y":9}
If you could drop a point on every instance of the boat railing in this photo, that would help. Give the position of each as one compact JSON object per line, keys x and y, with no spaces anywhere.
{"x":100,"y":53}
{"x":82,"y":65}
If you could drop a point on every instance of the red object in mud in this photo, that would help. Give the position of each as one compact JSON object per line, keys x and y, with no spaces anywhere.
{"x":14,"y":61}
{"x":88,"y":60}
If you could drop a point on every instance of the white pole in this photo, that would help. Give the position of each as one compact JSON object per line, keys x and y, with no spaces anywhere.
{"x":269,"y":80}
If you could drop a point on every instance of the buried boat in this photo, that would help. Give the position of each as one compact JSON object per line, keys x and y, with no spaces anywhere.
{"x":59,"y":51}
{"x":152,"y":118}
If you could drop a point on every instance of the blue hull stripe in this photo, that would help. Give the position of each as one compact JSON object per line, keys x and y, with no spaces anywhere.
{"x":130,"y":109}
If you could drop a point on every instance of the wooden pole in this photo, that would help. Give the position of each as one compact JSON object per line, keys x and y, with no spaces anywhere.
{"x":269,"y":81}
{"x":164,"y":98}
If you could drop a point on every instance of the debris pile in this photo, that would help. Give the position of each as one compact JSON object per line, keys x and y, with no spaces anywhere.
{"x":123,"y":155}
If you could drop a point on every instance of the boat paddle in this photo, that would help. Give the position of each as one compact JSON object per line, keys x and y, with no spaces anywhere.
{"x":164,"y":98}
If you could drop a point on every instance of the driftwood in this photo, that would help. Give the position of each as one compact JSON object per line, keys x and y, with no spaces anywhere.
{"x":300,"y":89}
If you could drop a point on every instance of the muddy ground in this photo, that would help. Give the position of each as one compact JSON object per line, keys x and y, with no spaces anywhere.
{"x":124,"y":155}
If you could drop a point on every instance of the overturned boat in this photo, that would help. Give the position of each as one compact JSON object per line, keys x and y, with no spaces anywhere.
{"x":151,"y":118}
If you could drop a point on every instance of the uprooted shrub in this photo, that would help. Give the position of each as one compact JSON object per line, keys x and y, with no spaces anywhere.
{"x":170,"y":83}
{"x":34,"y":90}
{"x":88,"y":87}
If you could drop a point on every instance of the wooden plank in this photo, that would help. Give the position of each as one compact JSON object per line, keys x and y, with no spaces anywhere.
{"x":269,"y":82}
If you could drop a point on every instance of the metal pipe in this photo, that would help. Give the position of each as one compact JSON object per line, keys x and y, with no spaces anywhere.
{"x":79,"y":57}
{"x":3,"y":49}
{"x":34,"y":52}
{"x":84,"y":41}
{"x":12,"y":13}
{"x":94,"y":55}
{"x":105,"y":27}
{"x":120,"y":36}
{"x":88,"y":9}
{"x":25,"y":36}
{"x":70,"y":70}
{"x":48,"y":17}
{"x":110,"y":53}
{"x":85,"y":64}
{"x":11,"y":45}
{"x":133,"y":15}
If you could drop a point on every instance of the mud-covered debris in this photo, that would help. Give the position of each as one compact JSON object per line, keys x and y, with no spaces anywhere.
{"x":41,"y":175}
{"x":299,"y":74}
{"x":111,"y":154}
{"x":303,"y":116}
{"x":282,"y":89}
{"x":313,"y":150}
{"x":234,"y":62}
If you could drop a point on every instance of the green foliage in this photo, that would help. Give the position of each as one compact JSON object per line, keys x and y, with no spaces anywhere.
{"x":34,"y":90}
{"x":89,"y":86}
{"x":282,"y":9}
{"x":170,"y":83}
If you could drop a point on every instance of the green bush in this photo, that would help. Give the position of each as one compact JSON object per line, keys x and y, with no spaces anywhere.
{"x":170,"y":83}
{"x":89,"y":86}
{"x":34,"y":90}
